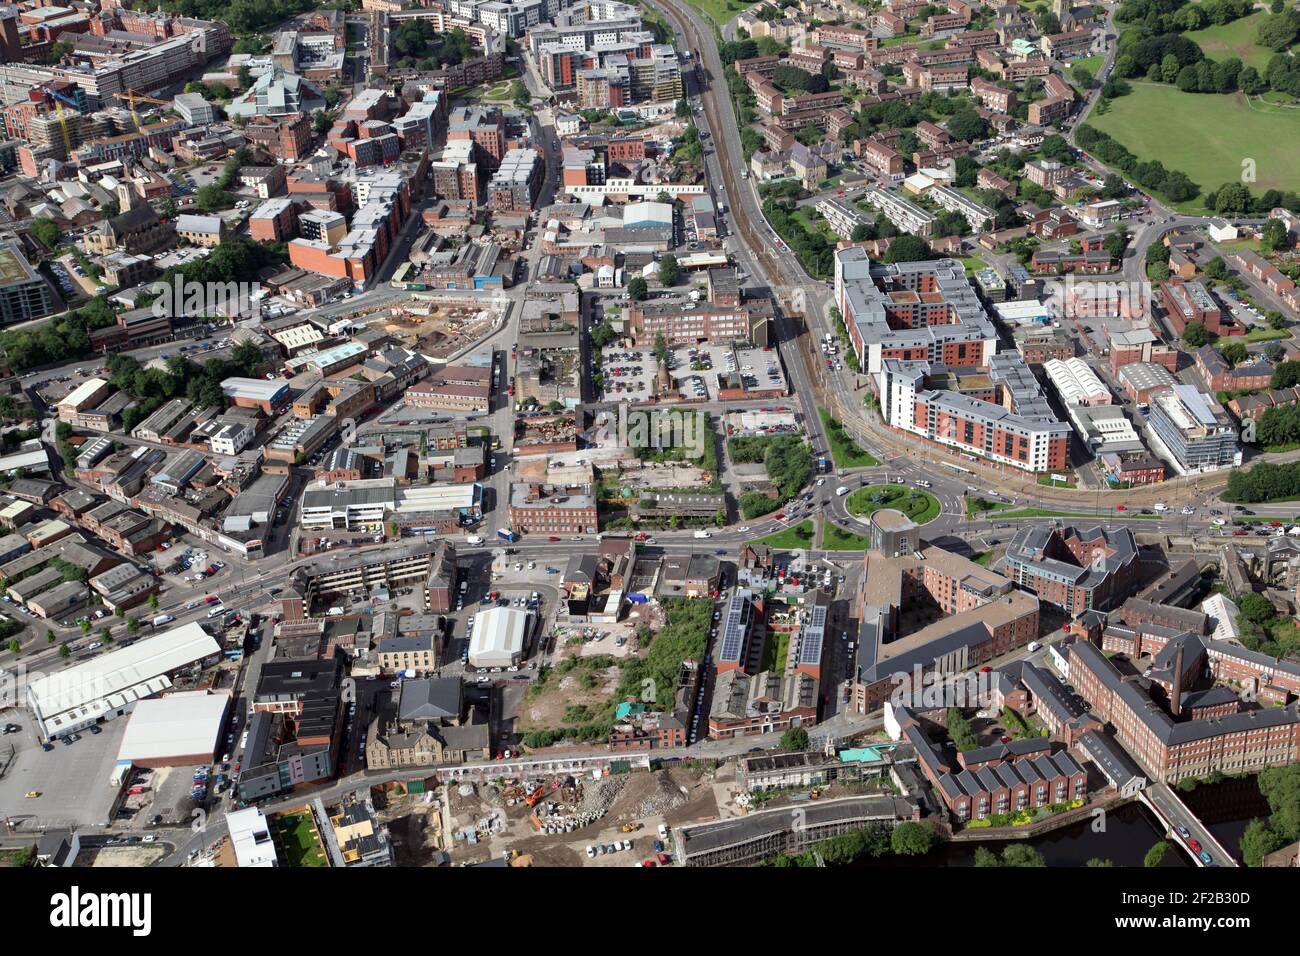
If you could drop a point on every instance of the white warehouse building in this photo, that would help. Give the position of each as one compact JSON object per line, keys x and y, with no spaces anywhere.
{"x":1076,"y":382}
{"x":499,"y":637}
{"x":110,"y":685}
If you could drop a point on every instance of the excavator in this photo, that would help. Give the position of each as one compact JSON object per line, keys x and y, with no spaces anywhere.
{"x":533,"y":798}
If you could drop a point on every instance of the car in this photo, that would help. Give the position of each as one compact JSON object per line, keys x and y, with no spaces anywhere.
{"x":96,"y":729}
{"x":1005,"y":740}
{"x":149,"y":838}
{"x":12,"y":728}
{"x":47,"y":746}
{"x":1194,"y":845}
{"x":32,"y":794}
{"x":1205,"y":858}
{"x":1183,"y":832}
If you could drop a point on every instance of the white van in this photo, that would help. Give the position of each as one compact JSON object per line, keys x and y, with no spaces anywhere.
{"x":1033,"y":646}
{"x":1161,"y":506}
{"x":841,"y":490}
{"x":215,"y":610}
{"x":701,"y":534}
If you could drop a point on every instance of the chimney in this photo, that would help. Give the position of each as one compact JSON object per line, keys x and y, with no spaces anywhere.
{"x":1177,"y":695}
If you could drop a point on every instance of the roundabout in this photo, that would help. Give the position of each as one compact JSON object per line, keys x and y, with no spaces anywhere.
{"x":918,"y":505}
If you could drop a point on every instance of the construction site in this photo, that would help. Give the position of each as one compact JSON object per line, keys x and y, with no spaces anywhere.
{"x":439,"y":329}
{"x":552,"y":819}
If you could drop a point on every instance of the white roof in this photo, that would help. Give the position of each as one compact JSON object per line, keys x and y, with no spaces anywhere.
{"x":498,"y":636}
{"x":82,"y":393}
{"x":253,"y":389}
{"x":178,"y":725}
{"x":1076,"y":381}
{"x":117,"y":678}
{"x":250,"y":838}
{"x":416,"y":498}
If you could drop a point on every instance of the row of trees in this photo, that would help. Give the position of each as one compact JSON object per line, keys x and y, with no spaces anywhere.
{"x":1264,"y":482}
{"x":63,"y":339}
{"x":906,"y":839}
{"x":1173,"y":185}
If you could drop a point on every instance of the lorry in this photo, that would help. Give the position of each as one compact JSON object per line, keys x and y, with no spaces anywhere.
{"x":475,"y":539}
{"x":162,"y":619}
{"x":701,"y":534}
{"x":505,"y":534}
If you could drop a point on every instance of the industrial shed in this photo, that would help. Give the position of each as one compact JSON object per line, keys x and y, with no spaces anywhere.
{"x":499,"y":636}
{"x":176,"y":730}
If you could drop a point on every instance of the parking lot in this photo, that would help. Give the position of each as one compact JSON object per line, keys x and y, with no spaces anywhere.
{"x":629,"y":374}
{"x":72,"y":780}
{"x":695,"y":370}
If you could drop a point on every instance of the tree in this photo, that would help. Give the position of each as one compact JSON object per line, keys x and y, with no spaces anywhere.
{"x":65,"y":651}
{"x":1156,"y":854}
{"x":1082,"y":75}
{"x":911,"y":839}
{"x":794,"y":739}
{"x":1097,"y":861}
{"x":861,"y":233}
{"x":211,"y":198}
{"x":1272,"y":236}
{"x":46,"y":232}
{"x":908,"y":248}
{"x":1195,"y":335}
{"x":106,"y":635}
{"x":85,"y":625}
{"x":1055,"y":147}
{"x":968,"y":125}
{"x":669,"y":270}
{"x":1113,"y":188}
{"x":49,"y":635}
{"x":661,"y":349}
{"x":637,"y":289}
{"x":1234,"y":353}
{"x":14,"y":646}
{"x":153,"y":602}
{"x":683,"y":110}
{"x":1259,"y":841}
{"x":132,"y":625}
{"x":1022,"y":855}
{"x":1274,"y":352}
{"x":1216,"y":269}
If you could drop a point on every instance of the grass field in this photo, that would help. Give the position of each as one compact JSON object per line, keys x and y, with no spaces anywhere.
{"x":1092,"y":63}
{"x":1265,"y":335}
{"x":982,"y":506}
{"x":844,"y":451}
{"x":719,"y":11}
{"x":920,"y":506}
{"x":791,"y":539}
{"x":1234,"y":39}
{"x":835,"y":538}
{"x":297,"y":842}
{"x":1045,"y":513}
{"x":1153,"y":122}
